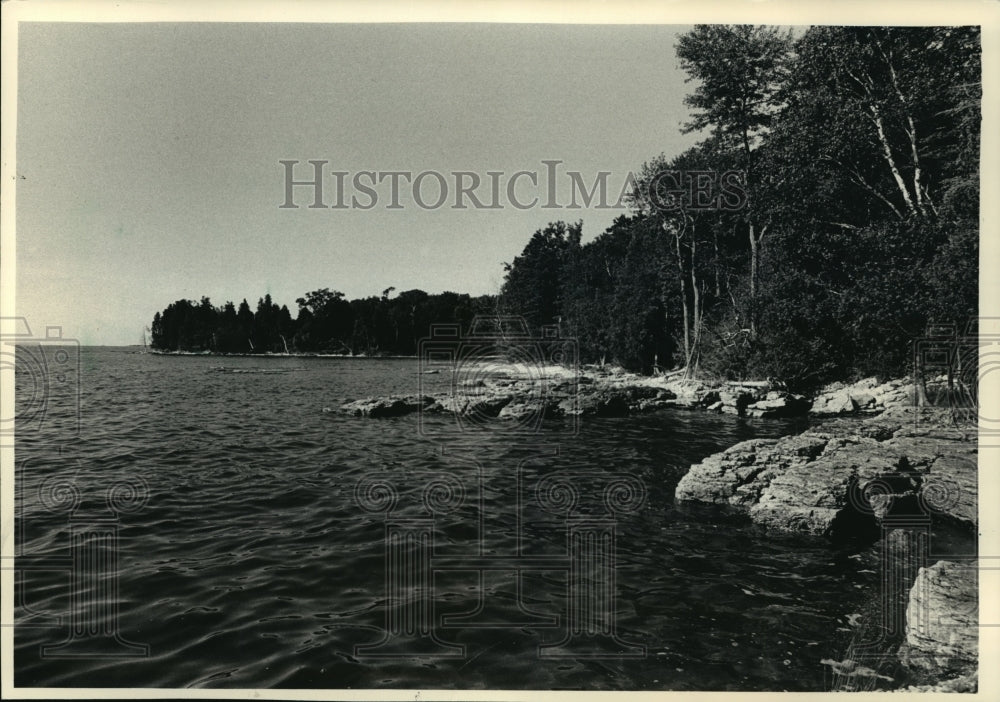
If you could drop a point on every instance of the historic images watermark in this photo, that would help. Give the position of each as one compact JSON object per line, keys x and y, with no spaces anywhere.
{"x":94,"y":629}
{"x":415,"y":505}
{"x":949,"y":364}
{"x":920,"y":557}
{"x":45,"y":370}
{"x":908,"y":506}
{"x":45,"y":374}
{"x":547,"y":365}
{"x":314,"y":185}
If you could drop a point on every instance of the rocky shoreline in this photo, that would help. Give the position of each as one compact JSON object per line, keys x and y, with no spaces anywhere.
{"x":510,"y":392}
{"x":895,"y":480}
{"x":906,"y":482}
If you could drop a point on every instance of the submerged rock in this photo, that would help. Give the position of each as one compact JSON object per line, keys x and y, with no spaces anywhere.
{"x":387,"y":406}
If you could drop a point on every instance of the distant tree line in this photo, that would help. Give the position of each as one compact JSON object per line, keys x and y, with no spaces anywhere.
{"x":325,"y":323}
{"x":859,"y":148}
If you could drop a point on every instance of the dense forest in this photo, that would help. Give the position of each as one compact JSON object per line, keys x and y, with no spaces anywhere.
{"x":325,"y":323}
{"x":860,"y":149}
{"x":857,"y":154}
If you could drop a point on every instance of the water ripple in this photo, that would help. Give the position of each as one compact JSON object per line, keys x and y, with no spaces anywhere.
{"x":253,"y":564}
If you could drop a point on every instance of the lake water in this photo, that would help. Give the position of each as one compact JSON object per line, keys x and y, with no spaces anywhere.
{"x":220,"y":540}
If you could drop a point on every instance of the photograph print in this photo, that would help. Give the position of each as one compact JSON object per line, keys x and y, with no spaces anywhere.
{"x":510,"y":355}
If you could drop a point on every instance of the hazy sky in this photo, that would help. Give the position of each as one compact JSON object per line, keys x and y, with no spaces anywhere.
{"x":148,"y":155}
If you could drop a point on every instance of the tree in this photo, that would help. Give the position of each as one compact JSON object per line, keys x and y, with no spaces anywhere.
{"x":870,"y":182}
{"x":158,"y":340}
{"x":740,"y":70}
{"x":267,"y":326}
{"x":702,"y":259}
{"x":534,"y":281}
{"x":613,"y":303}
{"x":326,"y":323}
{"x":860,"y":147}
{"x":245,"y":321}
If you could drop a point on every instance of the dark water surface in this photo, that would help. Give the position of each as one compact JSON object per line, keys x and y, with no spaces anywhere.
{"x":251,"y":563}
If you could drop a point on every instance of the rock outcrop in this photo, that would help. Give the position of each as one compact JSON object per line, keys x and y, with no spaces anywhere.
{"x":819,"y":483}
{"x":942,"y":622}
{"x":511,"y":393}
{"x":863,"y":396}
{"x":738,"y":476}
{"x":503,"y":393}
{"x":779,"y":404}
{"x":904,"y":473}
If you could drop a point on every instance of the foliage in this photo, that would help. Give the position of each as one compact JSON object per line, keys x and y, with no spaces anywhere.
{"x":859,"y":153}
{"x":326,"y":323}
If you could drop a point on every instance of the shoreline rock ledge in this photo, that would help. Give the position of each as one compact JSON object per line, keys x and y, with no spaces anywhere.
{"x":817,"y":483}
{"x":510,"y":392}
{"x":874,"y":479}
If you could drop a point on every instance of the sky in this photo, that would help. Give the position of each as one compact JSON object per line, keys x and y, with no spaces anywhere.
{"x":149,"y":156}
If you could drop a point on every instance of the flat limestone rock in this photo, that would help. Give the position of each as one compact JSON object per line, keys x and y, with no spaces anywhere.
{"x":779,"y":405}
{"x":739,"y":475}
{"x":833,"y":403}
{"x":521,"y":411}
{"x":866,"y":395}
{"x":808,"y":496}
{"x":487,"y":390}
{"x":806,"y":483}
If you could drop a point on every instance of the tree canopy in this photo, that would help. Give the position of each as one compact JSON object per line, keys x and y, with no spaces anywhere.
{"x":858,"y":149}
{"x":326,"y":322}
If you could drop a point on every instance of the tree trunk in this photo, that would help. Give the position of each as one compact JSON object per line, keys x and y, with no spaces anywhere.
{"x":696,"y":313}
{"x":753,"y":280}
{"x":715,"y":241}
{"x":753,"y":243}
{"x":887,"y":153}
{"x":684,"y":306}
{"x":911,"y":133}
